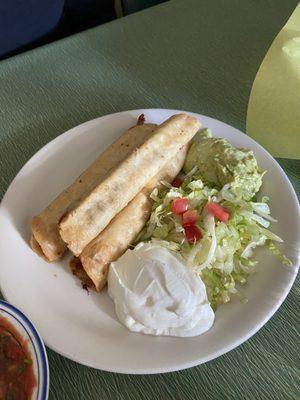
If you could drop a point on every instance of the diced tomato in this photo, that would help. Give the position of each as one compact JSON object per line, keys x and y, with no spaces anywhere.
{"x":218,"y":211}
{"x":179,"y":206}
{"x":190,"y":217}
{"x":177,"y":182}
{"x":192,"y":233}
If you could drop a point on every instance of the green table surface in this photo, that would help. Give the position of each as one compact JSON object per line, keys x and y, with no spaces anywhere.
{"x":196,"y":55}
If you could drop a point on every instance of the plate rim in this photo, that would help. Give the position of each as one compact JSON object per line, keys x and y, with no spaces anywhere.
{"x":236,"y":343}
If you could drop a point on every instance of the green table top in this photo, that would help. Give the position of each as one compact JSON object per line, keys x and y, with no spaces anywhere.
{"x":196,"y":55}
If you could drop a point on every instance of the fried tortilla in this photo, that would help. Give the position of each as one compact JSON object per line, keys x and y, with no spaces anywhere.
{"x":93,"y":214}
{"x":122,"y":231}
{"x":46,"y":240}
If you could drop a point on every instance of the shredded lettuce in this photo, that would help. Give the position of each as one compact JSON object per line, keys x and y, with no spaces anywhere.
{"x":224,"y":257}
{"x":274,"y":250}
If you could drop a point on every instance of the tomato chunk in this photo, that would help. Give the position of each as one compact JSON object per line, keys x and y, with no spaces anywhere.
{"x":218,"y":211}
{"x":192,"y":233}
{"x":177,"y":182}
{"x":190,"y":217}
{"x":179,"y":206}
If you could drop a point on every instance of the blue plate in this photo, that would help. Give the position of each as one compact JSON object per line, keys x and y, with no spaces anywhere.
{"x":35,"y":345}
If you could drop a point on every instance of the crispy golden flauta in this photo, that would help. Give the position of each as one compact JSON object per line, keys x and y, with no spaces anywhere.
{"x":46,"y":240}
{"x":93,"y":214}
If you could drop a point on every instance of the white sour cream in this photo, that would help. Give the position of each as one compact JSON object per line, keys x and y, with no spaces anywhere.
{"x":154,"y":293}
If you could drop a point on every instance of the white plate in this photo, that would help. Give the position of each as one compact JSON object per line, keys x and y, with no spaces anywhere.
{"x":84,"y":327}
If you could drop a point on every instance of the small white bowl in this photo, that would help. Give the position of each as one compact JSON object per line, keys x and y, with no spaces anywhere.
{"x":35,"y":346}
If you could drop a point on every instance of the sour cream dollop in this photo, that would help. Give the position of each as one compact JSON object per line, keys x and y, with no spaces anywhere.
{"x":154,"y":293}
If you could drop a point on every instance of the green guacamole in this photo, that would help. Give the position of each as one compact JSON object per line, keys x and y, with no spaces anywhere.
{"x":220,"y":163}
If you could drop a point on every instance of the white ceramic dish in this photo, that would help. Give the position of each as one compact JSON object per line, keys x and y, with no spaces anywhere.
{"x":35,"y":345}
{"x":84,"y":327}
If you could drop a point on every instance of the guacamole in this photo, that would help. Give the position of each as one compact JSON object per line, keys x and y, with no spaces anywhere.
{"x":220,"y":163}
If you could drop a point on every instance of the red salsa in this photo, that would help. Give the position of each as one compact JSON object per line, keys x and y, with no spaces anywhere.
{"x":17,"y":379}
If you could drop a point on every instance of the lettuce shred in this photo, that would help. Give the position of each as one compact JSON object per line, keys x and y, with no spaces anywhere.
{"x":224,"y":257}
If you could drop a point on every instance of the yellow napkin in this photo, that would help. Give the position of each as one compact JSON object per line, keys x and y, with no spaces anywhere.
{"x":273,"y":117}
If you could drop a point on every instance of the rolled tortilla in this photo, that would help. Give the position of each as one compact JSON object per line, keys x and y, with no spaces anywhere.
{"x":115,"y":239}
{"x":81,"y":225}
{"x":46,"y":240}
{"x":79,"y":272}
{"x":37,"y":248}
